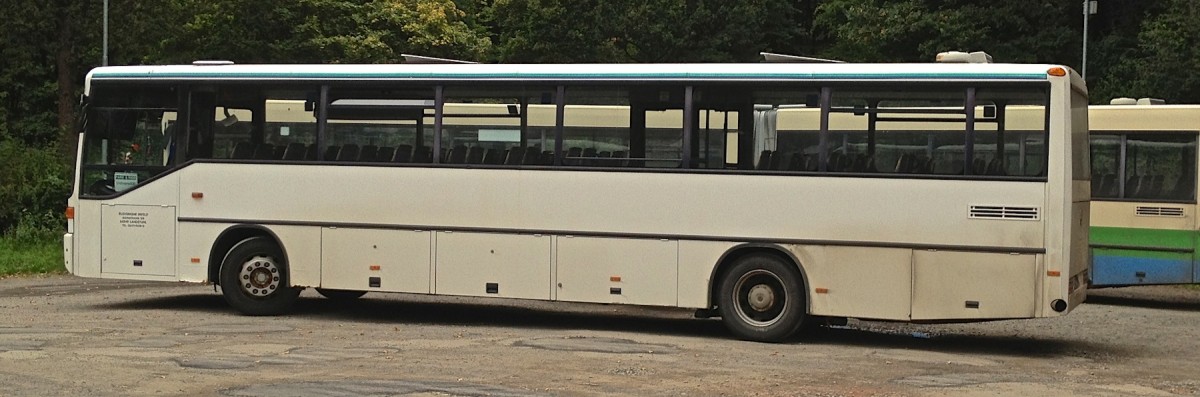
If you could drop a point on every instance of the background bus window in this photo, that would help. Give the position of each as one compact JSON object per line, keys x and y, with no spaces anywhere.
{"x":501,"y":125}
{"x":607,"y":126}
{"x":129,"y":138}
{"x":1010,"y":131}
{"x":382,"y":126}
{"x":724,"y":115}
{"x":231,"y":131}
{"x":903,"y":131}
{"x":1106,"y":163}
{"x":785,"y":135}
{"x":1160,"y":167}
{"x":290,"y":130}
{"x":1157,"y":166}
{"x":252,"y":124}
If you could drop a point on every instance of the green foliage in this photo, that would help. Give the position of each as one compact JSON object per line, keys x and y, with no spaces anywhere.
{"x":323,"y":31}
{"x":916,"y":30}
{"x":33,"y":191}
{"x":638,"y":31}
{"x":30,"y":257}
{"x":1165,"y":63}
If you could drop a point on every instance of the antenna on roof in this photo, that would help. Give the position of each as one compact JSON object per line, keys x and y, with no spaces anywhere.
{"x":770,"y":57}
{"x":410,"y":58}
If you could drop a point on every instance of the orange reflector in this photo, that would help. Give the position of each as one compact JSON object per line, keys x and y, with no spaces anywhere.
{"x":195,"y":260}
{"x":1057,"y":71}
{"x":197,"y":195}
{"x":1053,"y":273}
{"x":70,"y":212}
{"x":615,"y":279}
{"x":822,"y":290}
{"x":374,"y":268}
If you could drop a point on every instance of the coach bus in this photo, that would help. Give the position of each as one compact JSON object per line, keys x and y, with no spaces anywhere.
{"x":1144,"y":228}
{"x":773,"y":196}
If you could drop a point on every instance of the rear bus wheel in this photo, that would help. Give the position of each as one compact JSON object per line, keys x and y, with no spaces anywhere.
{"x":254,"y":278}
{"x":762,"y":299}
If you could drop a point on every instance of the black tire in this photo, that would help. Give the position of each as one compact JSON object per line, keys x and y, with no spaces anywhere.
{"x":254,"y":278}
{"x":340,"y":294}
{"x":761,"y":298}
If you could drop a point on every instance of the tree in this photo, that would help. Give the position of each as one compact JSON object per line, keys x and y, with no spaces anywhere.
{"x":916,"y":30}
{"x":1164,"y":62}
{"x":323,"y":31}
{"x":641,"y":31}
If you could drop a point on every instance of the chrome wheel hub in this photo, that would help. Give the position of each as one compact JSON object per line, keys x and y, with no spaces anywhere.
{"x":761,"y":297}
{"x":259,"y":276}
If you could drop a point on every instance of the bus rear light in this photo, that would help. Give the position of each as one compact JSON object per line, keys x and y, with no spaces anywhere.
{"x":822,"y":290}
{"x":375,"y":268}
{"x":70,"y":213}
{"x":1053,"y":273}
{"x":1057,"y":71}
{"x":615,"y":279}
{"x":195,"y":259}
{"x":197,"y":195}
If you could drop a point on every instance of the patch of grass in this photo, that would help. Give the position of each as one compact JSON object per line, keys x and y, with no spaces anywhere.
{"x":30,"y":257}
{"x":1194,"y":287}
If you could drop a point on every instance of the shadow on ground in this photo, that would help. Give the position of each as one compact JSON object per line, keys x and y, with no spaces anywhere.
{"x":1165,"y":297}
{"x":396,"y":309}
{"x":1147,"y":303}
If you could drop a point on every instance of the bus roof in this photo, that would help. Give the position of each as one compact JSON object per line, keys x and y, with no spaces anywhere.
{"x":583,"y":72}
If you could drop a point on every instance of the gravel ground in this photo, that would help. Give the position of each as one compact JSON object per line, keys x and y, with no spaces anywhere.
{"x":64,"y":335}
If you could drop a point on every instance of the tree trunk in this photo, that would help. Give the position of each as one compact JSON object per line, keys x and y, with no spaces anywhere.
{"x":66,"y":85}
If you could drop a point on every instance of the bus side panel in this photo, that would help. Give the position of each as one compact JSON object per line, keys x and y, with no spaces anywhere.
{"x":697,"y":260}
{"x":302,"y":245}
{"x":493,"y":264}
{"x":137,"y":226}
{"x":376,"y":260}
{"x":138,"y":240}
{"x":617,"y":270}
{"x":194,"y":244}
{"x":973,"y":285}
{"x":1164,"y":257}
{"x":860,"y":282}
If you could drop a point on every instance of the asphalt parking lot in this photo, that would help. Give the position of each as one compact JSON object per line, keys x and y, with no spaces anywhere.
{"x":64,"y":335}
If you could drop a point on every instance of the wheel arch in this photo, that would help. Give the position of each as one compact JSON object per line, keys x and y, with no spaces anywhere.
{"x":739,"y":251}
{"x":229,"y":238}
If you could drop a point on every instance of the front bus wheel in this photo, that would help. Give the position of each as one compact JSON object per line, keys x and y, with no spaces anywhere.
{"x":761,"y":298}
{"x":254,"y":278}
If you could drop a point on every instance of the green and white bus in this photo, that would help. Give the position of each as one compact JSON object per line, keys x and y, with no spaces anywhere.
{"x":770,"y":195}
{"x":1144,"y":228}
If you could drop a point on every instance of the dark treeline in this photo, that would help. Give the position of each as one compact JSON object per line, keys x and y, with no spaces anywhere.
{"x":1137,"y":48}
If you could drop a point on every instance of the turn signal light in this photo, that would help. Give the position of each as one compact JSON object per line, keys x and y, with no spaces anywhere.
{"x":1057,"y":71}
{"x":70,"y":212}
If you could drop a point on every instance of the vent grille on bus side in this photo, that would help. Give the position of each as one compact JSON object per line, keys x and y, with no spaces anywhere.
{"x":1173,"y":212}
{"x":1001,"y":212}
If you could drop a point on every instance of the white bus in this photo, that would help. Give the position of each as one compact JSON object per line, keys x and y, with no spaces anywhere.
{"x":1144,"y":228}
{"x":770,"y":195}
